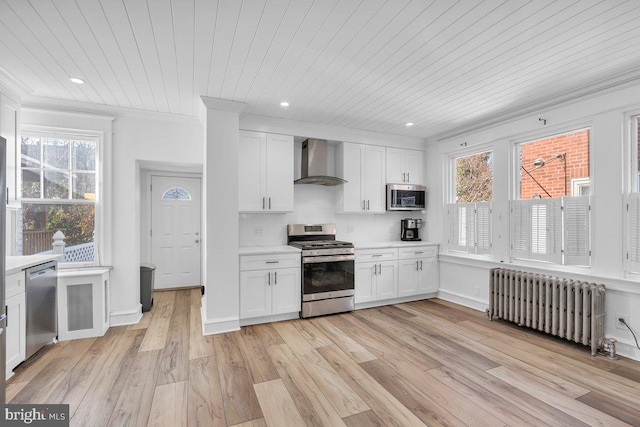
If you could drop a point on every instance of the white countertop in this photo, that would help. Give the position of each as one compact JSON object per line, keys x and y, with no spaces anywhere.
{"x":394,"y":244}
{"x":16,"y":264}
{"x":268,"y":250}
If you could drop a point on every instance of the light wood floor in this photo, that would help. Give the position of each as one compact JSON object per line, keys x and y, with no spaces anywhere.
{"x":427,"y":362}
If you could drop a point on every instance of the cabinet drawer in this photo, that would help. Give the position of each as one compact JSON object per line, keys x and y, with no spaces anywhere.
{"x":268,"y":262}
{"x":383,"y":254}
{"x":14,"y":284}
{"x":418,"y":252}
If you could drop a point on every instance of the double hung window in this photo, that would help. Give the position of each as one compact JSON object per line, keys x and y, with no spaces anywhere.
{"x":59,"y":194}
{"x":469,"y":217}
{"x":550,"y":218}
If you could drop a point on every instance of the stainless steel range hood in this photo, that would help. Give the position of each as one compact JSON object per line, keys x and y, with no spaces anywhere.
{"x":314,"y":164}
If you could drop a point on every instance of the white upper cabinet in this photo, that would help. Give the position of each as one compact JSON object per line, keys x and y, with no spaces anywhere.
{"x":405,"y":166}
{"x":10,"y":130}
{"x":363,"y":167}
{"x":265,"y":172}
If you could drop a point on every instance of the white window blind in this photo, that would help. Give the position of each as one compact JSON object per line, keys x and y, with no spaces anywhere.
{"x":633,"y":232}
{"x":553,"y":230}
{"x":469,"y":227}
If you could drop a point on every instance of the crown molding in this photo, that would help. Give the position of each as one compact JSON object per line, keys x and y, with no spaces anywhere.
{"x":602,"y":87}
{"x":87,"y":108}
{"x":223,"y":104}
{"x":14,"y":85}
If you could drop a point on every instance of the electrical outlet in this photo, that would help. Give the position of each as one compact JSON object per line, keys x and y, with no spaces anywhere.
{"x":257,"y":231}
{"x":619,"y":324}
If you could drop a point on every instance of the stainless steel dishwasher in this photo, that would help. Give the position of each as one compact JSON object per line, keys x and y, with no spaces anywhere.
{"x":41,"y":307}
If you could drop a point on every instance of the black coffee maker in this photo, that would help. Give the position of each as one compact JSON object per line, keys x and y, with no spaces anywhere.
{"x":409,"y":229}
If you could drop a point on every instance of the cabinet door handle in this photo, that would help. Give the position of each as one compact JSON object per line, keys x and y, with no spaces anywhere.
{"x":419,"y":252}
{"x":408,"y":180}
{"x":367,"y":204}
{"x":375,"y":270}
{"x":417,"y":265}
{"x":403,"y":177}
{"x":420,"y":265}
{"x":263,"y":203}
{"x":269,"y":278}
{"x":272,"y":262}
{"x":376,"y":255}
{"x":364,"y":205}
{"x":269,"y":203}
{"x":380,"y":269}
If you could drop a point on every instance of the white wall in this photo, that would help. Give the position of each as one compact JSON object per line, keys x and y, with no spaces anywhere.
{"x":138,"y":140}
{"x":465,"y":279}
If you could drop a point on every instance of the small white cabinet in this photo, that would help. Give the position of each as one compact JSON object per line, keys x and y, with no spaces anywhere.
{"x":405,"y":166}
{"x":269,"y":285}
{"x":16,"y":321}
{"x":362,"y":166}
{"x":376,"y":275}
{"x":83,"y":303}
{"x":265,"y":172}
{"x":418,"y":270}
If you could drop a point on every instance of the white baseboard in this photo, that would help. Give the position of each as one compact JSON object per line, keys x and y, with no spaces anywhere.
{"x":269,"y":319}
{"x":122,"y":318}
{"x":467,"y":301}
{"x":400,"y":300}
{"x":219,"y":326}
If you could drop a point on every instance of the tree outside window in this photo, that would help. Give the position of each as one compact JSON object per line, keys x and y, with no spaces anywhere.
{"x":474,"y":178}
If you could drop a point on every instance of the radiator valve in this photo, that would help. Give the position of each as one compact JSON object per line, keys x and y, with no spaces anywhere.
{"x":609,"y":346}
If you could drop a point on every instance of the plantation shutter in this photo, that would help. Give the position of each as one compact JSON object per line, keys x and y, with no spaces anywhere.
{"x":520,"y":228}
{"x":554,"y":230}
{"x":456,"y":227}
{"x":483,"y":228}
{"x":470,"y":210}
{"x":577,"y":239}
{"x":633,"y":232}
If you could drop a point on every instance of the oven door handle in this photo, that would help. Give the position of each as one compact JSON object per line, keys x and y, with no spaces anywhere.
{"x":328,"y":258}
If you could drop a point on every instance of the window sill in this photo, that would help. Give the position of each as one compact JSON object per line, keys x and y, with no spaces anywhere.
{"x":612,"y":283}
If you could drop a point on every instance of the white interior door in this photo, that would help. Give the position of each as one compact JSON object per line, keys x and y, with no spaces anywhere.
{"x":175,"y":231}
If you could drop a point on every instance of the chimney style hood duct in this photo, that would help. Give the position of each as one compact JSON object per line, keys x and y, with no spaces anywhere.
{"x":314,"y":164}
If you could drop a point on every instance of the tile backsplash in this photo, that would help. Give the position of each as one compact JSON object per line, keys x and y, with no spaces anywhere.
{"x":316,"y":204}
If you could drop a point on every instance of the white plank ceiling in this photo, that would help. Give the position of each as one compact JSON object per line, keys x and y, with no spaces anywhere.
{"x":365,"y":64}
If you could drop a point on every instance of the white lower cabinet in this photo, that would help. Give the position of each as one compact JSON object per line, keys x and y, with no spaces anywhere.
{"x":388,"y":273}
{"x":269,"y":285}
{"x":418,"y":270}
{"x":376,"y":275}
{"x":16,"y":331}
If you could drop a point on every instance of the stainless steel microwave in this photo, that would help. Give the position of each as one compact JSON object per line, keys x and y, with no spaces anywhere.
{"x":405,"y":197}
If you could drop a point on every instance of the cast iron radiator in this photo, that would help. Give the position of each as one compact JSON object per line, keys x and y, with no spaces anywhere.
{"x":564,"y":308}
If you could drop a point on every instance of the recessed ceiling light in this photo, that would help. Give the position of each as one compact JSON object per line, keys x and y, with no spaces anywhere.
{"x":76,"y":80}
{"x":284,"y":104}
{"x":408,"y":124}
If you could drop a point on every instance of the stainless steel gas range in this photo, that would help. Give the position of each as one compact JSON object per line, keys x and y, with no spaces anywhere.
{"x":327,"y":269}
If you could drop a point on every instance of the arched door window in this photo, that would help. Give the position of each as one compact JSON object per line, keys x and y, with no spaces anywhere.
{"x":176,"y":193}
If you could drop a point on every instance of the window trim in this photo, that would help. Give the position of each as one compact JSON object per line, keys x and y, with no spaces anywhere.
{"x":102,"y":235}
